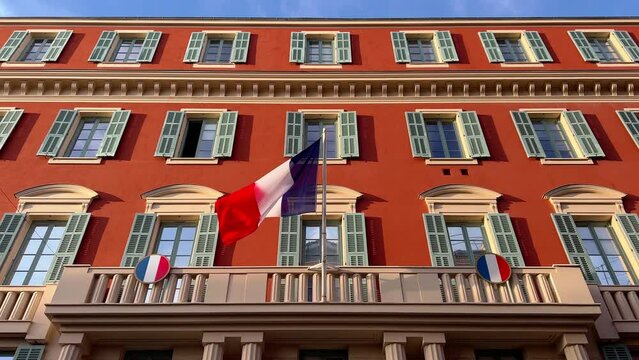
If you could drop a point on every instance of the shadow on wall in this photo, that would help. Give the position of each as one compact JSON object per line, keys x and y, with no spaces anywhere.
{"x":356,"y":54}
{"x":366,"y":136}
{"x":522,"y":231}
{"x":495,"y":147}
{"x":458,"y":40}
{"x":375,"y":241}
{"x":131,"y":136}
{"x":71,"y":47}
{"x":602,"y":138}
{"x":19,"y":136}
{"x":91,"y":240}
{"x":242,"y":143}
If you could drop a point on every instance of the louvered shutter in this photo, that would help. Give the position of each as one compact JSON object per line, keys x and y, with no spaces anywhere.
{"x":343,"y":47}
{"x":206,"y":241}
{"x":491,"y":47}
{"x":298,"y":47}
{"x":400,"y":47}
{"x":102,"y":47}
{"x":294,"y":136}
{"x":417,"y":134}
{"x":446,"y":46}
{"x":29,"y":352}
{"x":149,"y":46}
{"x":170,"y":133}
{"x":8,"y":123}
{"x":527,"y":134}
{"x":9,"y":228}
{"x":348,"y":134}
{"x":504,"y":234}
{"x":567,"y":230}
{"x":114,"y":133}
{"x":580,"y":129}
{"x":474,"y":136}
{"x":59,"y":129}
{"x":12,"y":44}
{"x":239,"y":53}
{"x":538,"y":46}
{"x":58,"y":44}
{"x":586,"y":51}
{"x":194,"y":48}
{"x":629,"y":120}
{"x":438,"y":242}
{"x":139,"y":238}
{"x":616,"y":352}
{"x":356,"y":243}
{"x":629,"y":225}
{"x":290,"y":237}
{"x":69,"y":245}
{"x":628,"y":44}
{"x":225,"y":135}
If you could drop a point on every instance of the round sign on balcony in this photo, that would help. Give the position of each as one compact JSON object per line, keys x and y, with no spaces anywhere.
{"x":493,"y":268}
{"x":152,"y":269}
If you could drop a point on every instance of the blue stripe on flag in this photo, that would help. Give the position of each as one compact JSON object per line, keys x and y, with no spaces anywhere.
{"x":302,"y":196}
{"x":140,"y":268}
{"x":482,"y":268}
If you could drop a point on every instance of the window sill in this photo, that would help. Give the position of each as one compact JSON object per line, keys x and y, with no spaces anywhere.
{"x":213,"y":66}
{"x":320,"y":66}
{"x":522,"y":64}
{"x":427,"y":65}
{"x":70,"y":160}
{"x":30,"y":64}
{"x":191,"y":161}
{"x":119,"y":65}
{"x":445,"y":161}
{"x":584,"y":161}
{"x":617,"y":64}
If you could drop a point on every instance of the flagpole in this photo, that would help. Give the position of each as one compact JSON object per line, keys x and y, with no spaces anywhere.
{"x":323,"y":233}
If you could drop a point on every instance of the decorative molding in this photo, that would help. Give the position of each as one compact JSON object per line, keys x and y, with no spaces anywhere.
{"x":460,"y":199}
{"x":55,"y":199}
{"x":181,"y":199}
{"x":585,"y":199}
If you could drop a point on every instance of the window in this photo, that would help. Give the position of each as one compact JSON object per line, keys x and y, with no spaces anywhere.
{"x":467,"y":242}
{"x":311,"y":254}
{"x":604,"y":49}
{"x":217,"y":48}
{"x":9,"y":118}
{"x":552,"y":138}
{"x":511,"y":50}
{"x":498,"y":355}
{"x":602,"y":248}
{"x":127,"y":50}
{"x":218,"y":51}
{"x":305,"y":127}
{"x":88,"y":137}
{"x":323,"y":355}
{"x":6,"y":355}
{"x":320,"y":48}
{"x":35,"y":46}
{"x":630,"y":122}
{"x":175,"y":241}
{"x":515,"y":47}
{"x":421,"y":51}
{"x":313,"y":132}
{"x":36,"y":50}
{"x":424,"y":47}
{"x":605,"y":46}
{"x":442,"y":139}
{"x":126,"y":47}
{"x":319,"y":52}
{"x":148,"y":355}
{"x":199,"y":138}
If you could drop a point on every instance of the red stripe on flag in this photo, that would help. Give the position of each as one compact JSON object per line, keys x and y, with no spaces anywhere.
{"x":163,"y":268}
{"x":504,"y":268}
{"x":237,"y":214}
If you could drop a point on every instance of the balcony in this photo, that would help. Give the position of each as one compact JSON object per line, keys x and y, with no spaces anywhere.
{"x":620,"y":311}
{"x":22,"y":312}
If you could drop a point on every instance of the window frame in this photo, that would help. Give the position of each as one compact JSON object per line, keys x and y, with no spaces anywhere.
{"x":221,"y":34}
{"x":180,"y":222}
{"x":624,"y":58}
{"x":512,"y":50}
{"x":437,"y":59}
{"x":220,"y":38}
{"x":32,"y":34}
{"x":427,"y":34}
{"x":115,"y":45}
{"x":78,"y":129}
{"x":327,"y":115}
{"x":527,"y":47}
{"x":27,"y":49}
{"x":324,"y":36}
{"x":561,"y":126}
{"x":442,"y":137}
{"x":189,"y":115}
{"x":308,"y":221}
{"x":464,"y":225}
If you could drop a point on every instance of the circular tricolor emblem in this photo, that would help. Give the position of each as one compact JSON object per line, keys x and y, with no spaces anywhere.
{"x":493,"y":268}
{"x":152,"y":269}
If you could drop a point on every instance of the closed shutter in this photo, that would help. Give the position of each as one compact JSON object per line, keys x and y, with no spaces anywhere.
{"x":8,"y":123}
{"x":170,"y":133}
{"x":417,"y":134}
{"x":438,"y":242}
{"x":71,"y":239}
{"x":57,"y":46}
{"x":149,"y":46}
{"x":298,"y":47}
{"x":567,"y":230}
{"x":225,"y":135}
{"x":206,"y":241}
{"x":527,"y":134}
{"x":348,"y":134}
{"x":240,"y":47}
{"x":290,"y":237}
{"x":102,"y":47}
{"x":616,"y":352}
{"x":9,"y":227}
{"x":356,"y":243}
{"x":139,"y":238}
{"x":537,"y":46}
{"x":194,"y":48}
{"x":400,"y":47}
{"x":294,"y":137}
{"x":583,"y":46}
{"x":629,"y":225}
{"x":10,"y":47}
{"x":491,"y":47}
{"x":59,"y":129}
{"x":507,"y":243}
{"x":343,"y":47}
{"x":114,"y":133}
{"x":29,"y":352}
{"x":580,"y":129}
{"x":474,"y":136}
{"x":630,"y":121}
{"x":628,"y":44}
{"x":446,"y":46}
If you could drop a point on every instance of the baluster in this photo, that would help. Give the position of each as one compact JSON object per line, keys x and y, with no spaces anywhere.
{"x":330,"y":286}
{"x":530,"y":289}
{"x":7,"y":305}
{"x":289,"y":288}
{"x":448,"y":289}
{"x":633,"y":301}
{"x":371,"y":283}
{"x":128,"y":294}
{"x":29,"y":313}
{"x":2,"y":295}
{"x":199,"y":289}
{"x":187,"y":281}
{"x":612,"y":305}
{"x":460,"y":280}
{"x":516,"y":289}
{"x":276,"y":280}
{"x":343,"y":288}
{"x":489,"y":291}
{"x":141,"y":290}
{"x":170,"y":287}
{"x":504,"y":293}
{"x":317,"y":285}
{"x":357,"y":288}
{"x":100,"y":289}
{"x":302,"y":288}
{"x":624,"y":308}
{"x":114,"y":290}
{"x":545,"y":290}
{"x":156,"y":291}
{"x":20,"y":306}
{"x":474,"y":287}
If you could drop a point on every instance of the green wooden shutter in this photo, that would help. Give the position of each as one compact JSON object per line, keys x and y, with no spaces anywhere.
{"x":149,"y":46}
{"x":194,"y":49}
{"x":629,"y":224}
{"x":101,"y":49}
{"x":537,"y":46}
{"x":59,"y":129}
{"x":438,"y":242}
{"x":9,"y":227}
{"x":527,"y":134}
{"x":474,"y":136}
{"x":348,"y":134}
{"x":57,"y":46}
{"x":71,"y":239}
{"x":294,"y":136}
{"x":29,"y":352}
{"x":139,"y":238}
{"x":400,"y":47}
{"x":629,"y":120}
{"x":356,"y":243}
{"x":10,"y":47}
{"x":114,"y":133}
{"x":290,"y":237}
{"x":446,"y":45}
{"x":170,"y":133}
{"x":506,"y":239}
{"x":206,"y":241}
{"x":628,"y":44}
{"x":580,"y":129}
{"x":225,"y":135}
{"x":417,"y":134}
{"x":240,"y":47}
{"x":8,"y":123}
{"x":583,"y":46}
{"x":298,"y":47}
{"x":567,"y":230}
{"x":343,"y":47}
{"x":491,"y":47}
{"x":616,"y":352}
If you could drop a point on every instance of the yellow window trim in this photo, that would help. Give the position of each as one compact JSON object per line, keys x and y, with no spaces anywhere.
{"x":55,"y":199}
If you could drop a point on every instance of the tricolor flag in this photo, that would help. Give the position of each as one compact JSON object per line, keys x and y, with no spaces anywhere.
{"x":289,"y":189}
{"x":493,"y":268}
{"x":152,"y":268}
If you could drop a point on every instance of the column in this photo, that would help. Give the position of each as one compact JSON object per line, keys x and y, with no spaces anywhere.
{"x":251,"y":351}
{"x":433,"y":346}
{"x":573,"y":346}
{"x":575,"y":352}
{"x":70,"y":352}
{"x":213,"y":351}
{"x":72,"y":344}
{"x":395,"y":351}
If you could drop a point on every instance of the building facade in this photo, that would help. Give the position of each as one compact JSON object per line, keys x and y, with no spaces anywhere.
{"x":447,"y":139}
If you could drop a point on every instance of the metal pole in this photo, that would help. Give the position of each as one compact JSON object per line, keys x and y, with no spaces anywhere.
{"x":323,"y":233}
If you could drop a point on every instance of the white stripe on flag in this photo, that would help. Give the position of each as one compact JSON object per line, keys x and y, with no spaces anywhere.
{"x":274,"y":211}
{"x":151,"y":269}
{"x":493,"y":268}
{"x":272,"y":186}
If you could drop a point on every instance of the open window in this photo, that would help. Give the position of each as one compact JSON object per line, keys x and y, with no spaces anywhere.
{"x":515,"y":47}
{"x":606,"y":47}
{"x":316,"y":48}
{"x":122,"y":47}
{"x":217,"y":48}
{"x":630,"y":121}
{"x":423,"y":48}
{"x":34,"y":46}
{"x":9,"y":118}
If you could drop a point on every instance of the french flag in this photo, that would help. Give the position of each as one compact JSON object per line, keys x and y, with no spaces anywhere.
{"x":289,"y":189}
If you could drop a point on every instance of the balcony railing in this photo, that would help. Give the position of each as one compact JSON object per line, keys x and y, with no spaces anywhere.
{"x":19,"y":303}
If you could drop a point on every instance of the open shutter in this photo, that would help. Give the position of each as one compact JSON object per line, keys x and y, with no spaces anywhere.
{"x":293,"y":138}
{"x":9,"y":227}
{"x":417,"y":134}
{"x":59,"y":129}
{"x":348,"y":134}
{"x":170,"y":132}
{"x":629,"y":225}
{"x":71,"y":239}
{"x":400,"y":47}
{"x":290,"y":237}
{"x":567,"y":230}
{"x":580,"y":129}
{"x":29,"y":352}
{"x":616,"y":352}
{"x":491,"y":47}
{"x":438,"y":242}
{"x":149,"y":46}
{"x":505,"y":237}
{"x":344,"y":55}
{"x":225,"y":135}
{"x":114,"y":133}
{"x":586,"y":51}
{"x":537,"y":46}
{"x":240,"y":47}
{"x":474,"y":136}
{"x":356,"y":243}
{"x":446,"y":46}
{"x":629,"y":120}
{"x":101,"y":49}
{"x":8,"y":123}
{"x":10,"y":47}
{"x":628,"y":44}
{"x":206,"y":241}
{"x":194,"y":49}
{"x":298,"y":47}
{"x":139,"y":238}
{"x":57,"y":46}
{"x":527,"y":134}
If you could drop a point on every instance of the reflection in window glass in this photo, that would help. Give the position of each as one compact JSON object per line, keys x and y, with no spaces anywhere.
{"x":443,"y":139}
{"x":319,"y":52}
{"x":218,"y":51}
{"x":467,"y":243}
{"x":176,"y":242}
{"x":88,"y":137}
{"x":421,"y":51}
{"x":312,"y":249}
{"x":128,"y":50}
{"x":553,"y":139}
{"x":314,"y":132}
{"x":36,"y":49}
{"x":604,"y":254}
{"x":604,"y":49}
{"x":511,"y":50}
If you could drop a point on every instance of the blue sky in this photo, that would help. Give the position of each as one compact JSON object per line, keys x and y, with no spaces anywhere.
{"x":319,"y":8}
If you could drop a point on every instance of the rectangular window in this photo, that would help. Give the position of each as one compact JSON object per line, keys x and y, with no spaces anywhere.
{"x":313,"y":131}
{"x":421,"y":51}
{"x":175,"y":241}
{"x":312,"y":251}
{"x":199,"y":138}
{"x":148,"y":355}
{"x":553,"y":139}
{"x":319,"y":52}
{"x":323,"y":355}
{"x":88,"y":137}
{"x":218,"y":51}
{"x":443,"y":139}
{"x":36,"y":49}
{"x":498,"y":355}
{"x":604,"y":49}
{"x":127,"y":50}
{"x":602,"y":248}
{"x":467,"y":241}
{"x":512,"y":50}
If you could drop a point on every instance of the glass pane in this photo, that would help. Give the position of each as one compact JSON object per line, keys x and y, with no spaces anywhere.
{"x":623,"y":278}
{"x":313,"y":232}
{"x":602,"y":232}
{"x":168,"y":233}
{"x":605,"y":278}
{"x":185,"y":248}
{"x":591,"y":247}
{"x":165,"y":247}
{"x":18,"y":278}
{"x":38,"y":278}
{"x":332,"y":232}
{"x":25,"y":263}
{"x":182,"y":261}
{"x":609,"y":247}
{"x":455,"y":233}
{"x":188,"y":233}
{"x":616,"y":263}
{"x":56,"y":232}
{"x":51,"y":246}
{"x":32,"y":246}
{"x":39,"y":232}
{"x":44,"y":262}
